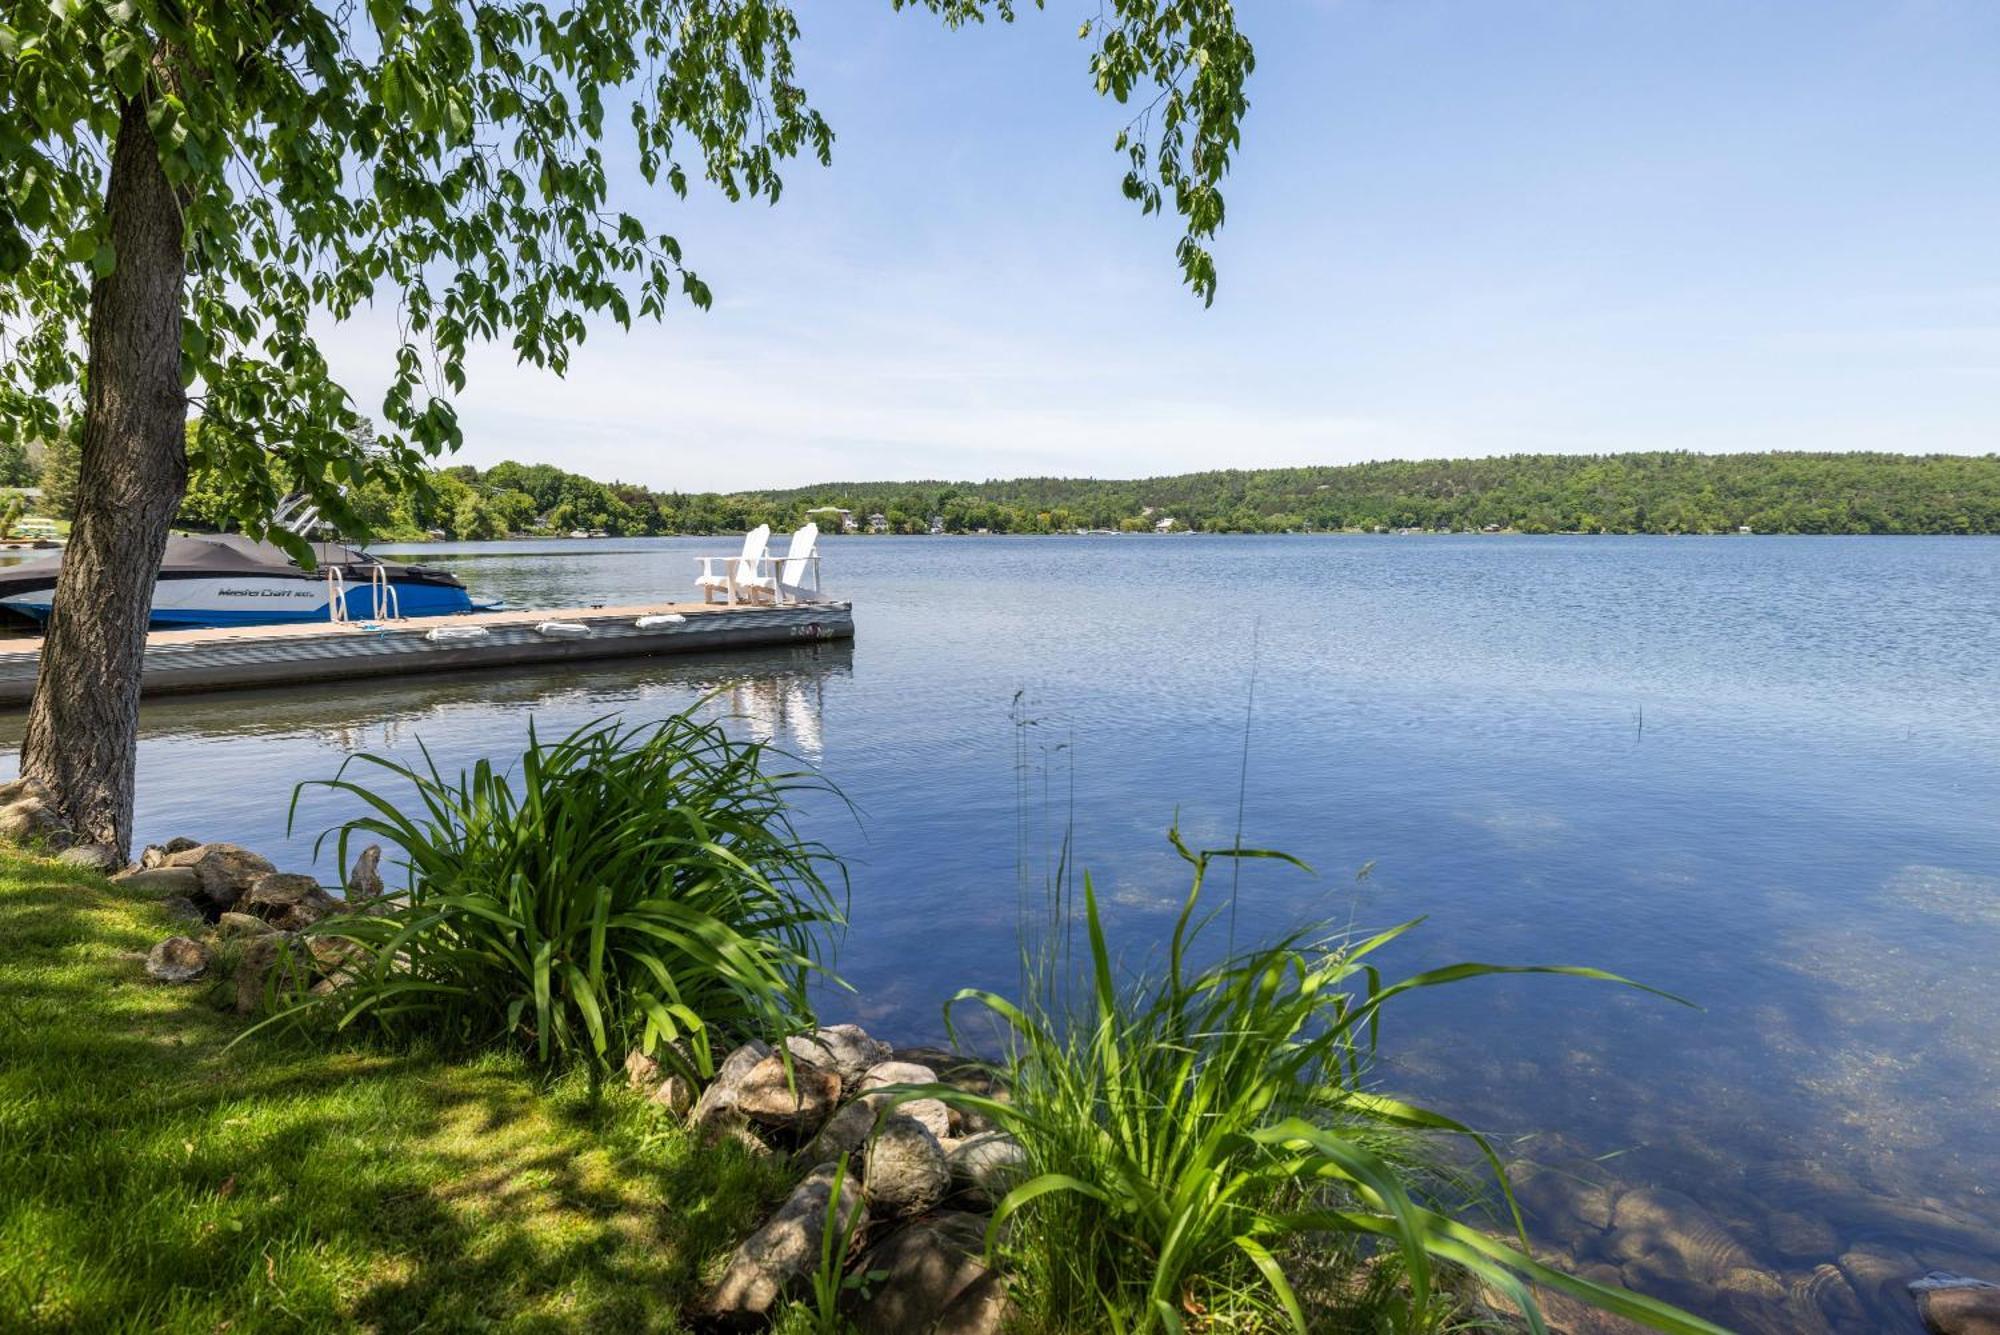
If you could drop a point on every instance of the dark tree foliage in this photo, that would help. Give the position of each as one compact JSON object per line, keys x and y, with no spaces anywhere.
{"x":1665,"y":492}
{"x":1618,"y":493}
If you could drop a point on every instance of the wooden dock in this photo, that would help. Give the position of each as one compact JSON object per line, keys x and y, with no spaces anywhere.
{"x":186,"y":661}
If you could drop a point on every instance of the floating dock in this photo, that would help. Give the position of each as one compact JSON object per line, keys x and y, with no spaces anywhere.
{"x":180,"y":662}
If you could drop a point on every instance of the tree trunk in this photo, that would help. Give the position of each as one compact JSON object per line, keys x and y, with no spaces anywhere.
{"x":83,"y":727}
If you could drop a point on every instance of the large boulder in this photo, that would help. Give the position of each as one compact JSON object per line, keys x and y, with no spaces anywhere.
{"x":777,"y":1258}
{"x":931,"y":1112}
{"x":336,"y":954}
{"x":989,"y":1165}
{"x":795,"y":1096}
{"x":182,"y":909}
{"x":241,"y":924}
{"x":289,"y":900}
{"x":894,"y":1073}
{"x":180,"y":881}
{"x":1956,"y":1305}
{"x":845,"y":1049}
{"x":224,"y":870}
{"x":178,"y":959}
{"x":715,"y":1111}
{"x":845,"y":1132}
{"x":1663,"y":1236}
{"x":917,"y":1271}
{"x":906,"y":1171}
{"x":254,"y":978}
{"x":29,"y":816}
{"x":982,"y":1307}
{"x":90,"y":857}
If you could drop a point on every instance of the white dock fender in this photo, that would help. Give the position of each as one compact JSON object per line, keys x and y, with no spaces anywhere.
{"x":663,"y":619}
{"x":563,"y":630}
{"x":445,"y":634}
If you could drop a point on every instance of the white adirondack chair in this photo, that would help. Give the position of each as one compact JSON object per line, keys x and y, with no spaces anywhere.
{"x":731,"y":576}
{"x":785,"y":580}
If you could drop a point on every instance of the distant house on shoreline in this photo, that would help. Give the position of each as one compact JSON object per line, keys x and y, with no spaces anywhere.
{"x":878,"y":523}
{"x":832,"y":516}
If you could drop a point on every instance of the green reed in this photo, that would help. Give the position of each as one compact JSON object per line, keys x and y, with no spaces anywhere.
{"x":628,"y":887}
{"x":1195,"y":1140}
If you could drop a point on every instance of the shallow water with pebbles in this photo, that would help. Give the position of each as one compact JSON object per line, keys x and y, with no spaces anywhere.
{"x":1762,"y":774}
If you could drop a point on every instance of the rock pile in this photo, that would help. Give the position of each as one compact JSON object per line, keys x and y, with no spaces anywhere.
{"x":242,"y":912}
{"x":921,"y":1178}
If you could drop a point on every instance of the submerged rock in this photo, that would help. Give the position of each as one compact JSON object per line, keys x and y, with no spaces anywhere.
{"x":1797,"y":1236}
{"x":1957,"y":1305}
{"x":1824,"y":1298}
{"x":178,"y":959}
{"x":1661,"y":1234}
{"x":1879,"y":1274}
{"x":777,"y":1257}
{"x":1561,"y":1201}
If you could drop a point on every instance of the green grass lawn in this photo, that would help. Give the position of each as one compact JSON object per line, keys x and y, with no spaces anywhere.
{"x":151,"y":1180}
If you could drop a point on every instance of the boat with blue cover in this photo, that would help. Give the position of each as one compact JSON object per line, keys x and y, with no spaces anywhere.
{"x":225,"y":579}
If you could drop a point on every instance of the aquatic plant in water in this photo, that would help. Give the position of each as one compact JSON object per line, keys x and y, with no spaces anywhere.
{"x":629,"y":887}
{"x":1192,"y":1141}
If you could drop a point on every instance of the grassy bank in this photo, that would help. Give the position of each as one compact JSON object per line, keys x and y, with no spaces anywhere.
{"x":153,"y":1179}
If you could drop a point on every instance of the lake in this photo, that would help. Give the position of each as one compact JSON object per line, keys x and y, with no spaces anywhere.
{"x":1760,"y":773}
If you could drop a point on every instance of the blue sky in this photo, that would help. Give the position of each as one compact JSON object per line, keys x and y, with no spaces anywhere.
{"x":1474,"y":227}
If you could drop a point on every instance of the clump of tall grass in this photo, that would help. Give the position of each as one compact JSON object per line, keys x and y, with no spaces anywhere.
{"x":1193,"y":1140}
{"x":627,"y":887}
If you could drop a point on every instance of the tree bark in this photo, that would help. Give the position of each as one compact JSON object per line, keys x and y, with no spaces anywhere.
{"x":83,"y":727}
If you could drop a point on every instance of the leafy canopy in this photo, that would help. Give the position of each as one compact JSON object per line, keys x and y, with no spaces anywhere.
{"x":448,"y":157}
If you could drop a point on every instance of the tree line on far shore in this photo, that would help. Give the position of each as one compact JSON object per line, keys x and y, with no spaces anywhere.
{"x":1544,"y":493}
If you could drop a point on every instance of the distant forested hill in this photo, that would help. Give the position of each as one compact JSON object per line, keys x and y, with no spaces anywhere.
{"x":1537,"y":493}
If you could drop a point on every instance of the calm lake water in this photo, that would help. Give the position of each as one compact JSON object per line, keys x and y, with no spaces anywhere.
{"x":1761,"y":773}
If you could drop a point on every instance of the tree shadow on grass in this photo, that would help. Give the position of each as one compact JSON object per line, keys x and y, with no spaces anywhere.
{"x":152,"y":1177}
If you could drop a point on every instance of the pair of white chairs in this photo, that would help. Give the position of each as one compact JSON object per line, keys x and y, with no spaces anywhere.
{"x":755,"y":576}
